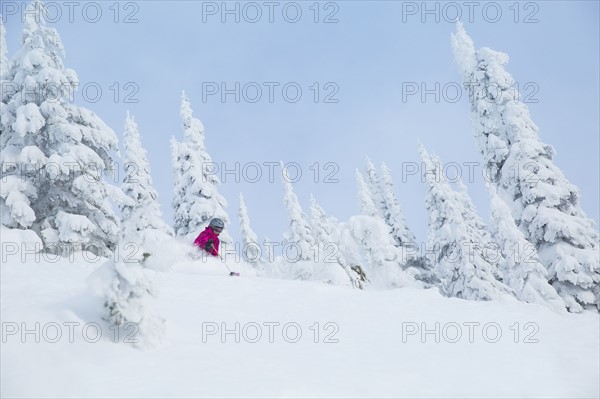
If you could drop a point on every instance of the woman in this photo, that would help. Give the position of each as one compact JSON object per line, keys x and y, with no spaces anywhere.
{"x":209,"y":238}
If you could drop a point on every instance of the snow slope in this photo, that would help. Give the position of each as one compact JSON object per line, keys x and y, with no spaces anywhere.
{"x":374,"y":355}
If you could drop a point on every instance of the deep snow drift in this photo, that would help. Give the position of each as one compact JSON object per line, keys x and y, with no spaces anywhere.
{"x":366,"y":343}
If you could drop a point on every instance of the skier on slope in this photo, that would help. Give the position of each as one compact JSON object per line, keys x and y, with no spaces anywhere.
{"x":209,"y":238}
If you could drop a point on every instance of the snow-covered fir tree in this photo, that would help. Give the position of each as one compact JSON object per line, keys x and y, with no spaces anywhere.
{"x":323,"y":226}
{"x":54,"y":153}
{"x":543,"y":203}
{"x":143,"y":213}
{"x":403,"y":237}
{"x":196,"y":197}
{"x":331,"y":259}
{"x":127,"y":291}
{"x":365,"y":197}
{"x":520,"y":267}
{"x":365,"y":242}
{"x":477,"y":226}
{"x":456,"y":253}
{"x":392,"y":212}
{"x":384,"y":262}
{"x":299,"y":233}
{"x":250,"y":248}
{"x":375,"y":187}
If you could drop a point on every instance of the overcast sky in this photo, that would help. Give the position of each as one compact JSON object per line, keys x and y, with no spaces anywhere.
{"x":354,"y":73}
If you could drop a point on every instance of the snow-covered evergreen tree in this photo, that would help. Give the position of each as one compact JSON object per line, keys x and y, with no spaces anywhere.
{"x":196,"y":198}
{"x":299,"y":244}
{"x":331,"y":258}
{"x":520,"y":268}
{"x":53,"y":153}
{"x":365,"y":197}
{"x":460,"y":264}
{"x":472,"y":219}
{"x":323,"y":226}
{"x":543,"y":203}
{"x":385,"y":263}
{"x":299,"y":233}
{"x":143,"y":213}
{"x":270,"y":268}
{"x":392,"y":212}
{"x":403,"y":237}
{"x":250,"y":249}
{"x":365,"y":242}
{"x":127,"y":291}
{"x":375,"y":187}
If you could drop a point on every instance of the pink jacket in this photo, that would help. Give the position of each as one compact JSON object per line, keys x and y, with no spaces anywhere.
{"x":202,"y":239}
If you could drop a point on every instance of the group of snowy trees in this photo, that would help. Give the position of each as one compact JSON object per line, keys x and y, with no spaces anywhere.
{"x":52,"y":150}
{"x":55,"y":153}
{"x":539,"y":246}
{"x":543,"y":203}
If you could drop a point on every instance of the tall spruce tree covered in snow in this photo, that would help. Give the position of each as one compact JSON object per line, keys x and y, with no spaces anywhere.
{"x":251,"y":249}
{"x":127,"y":291}
{"x":403,"y":237}
{"x":384,"y":262}
{"x":143,"y":213}
{"x":374,"y":184}
{"x":543,"y":203}
{"x":460,"y":264}
{"x":299,"y":233}
{"x":472,"y":219}
{"x":365,"y":197}
{"x":269,"y":253}
{"x":54,"y":153}
{"x":392,"y":212}
{"x":196,"y":198}
{"x":325,"y":231}
{"x":323,"y":226}
{"x":520,"y":267}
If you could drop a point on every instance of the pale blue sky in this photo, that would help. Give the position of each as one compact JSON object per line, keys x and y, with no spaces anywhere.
{"x":369,"y":53}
